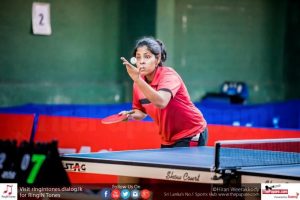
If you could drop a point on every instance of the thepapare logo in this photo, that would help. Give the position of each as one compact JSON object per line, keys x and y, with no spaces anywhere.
{"x":280,"y":191}
{"x":273,"y":189}
{"x":76,"y":167}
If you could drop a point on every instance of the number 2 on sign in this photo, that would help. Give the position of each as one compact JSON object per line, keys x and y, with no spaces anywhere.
{"x":38,"y":160}
{"x":42,"y":18}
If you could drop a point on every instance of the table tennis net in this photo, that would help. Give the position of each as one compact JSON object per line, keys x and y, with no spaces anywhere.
{"x":236,"y":154}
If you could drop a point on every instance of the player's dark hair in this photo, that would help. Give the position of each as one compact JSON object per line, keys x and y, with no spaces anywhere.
{"x":155,"y":46}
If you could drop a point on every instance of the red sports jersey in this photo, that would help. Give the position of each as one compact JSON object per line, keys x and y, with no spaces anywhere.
{"x":180,"y":118}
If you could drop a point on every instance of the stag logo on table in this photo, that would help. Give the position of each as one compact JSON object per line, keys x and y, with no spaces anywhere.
{"x":9,"y":191}
{"x":270,"y":191}
{"x":76,"y":167}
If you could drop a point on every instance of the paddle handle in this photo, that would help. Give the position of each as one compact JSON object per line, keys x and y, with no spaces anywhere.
{"x":129,"y":112}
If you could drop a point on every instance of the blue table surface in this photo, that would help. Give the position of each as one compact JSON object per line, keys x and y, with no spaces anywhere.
{"x":185,"y":157}
{"x":196,"y":157}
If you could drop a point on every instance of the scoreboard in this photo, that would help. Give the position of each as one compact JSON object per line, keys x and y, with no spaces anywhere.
{"x":31,"y":164}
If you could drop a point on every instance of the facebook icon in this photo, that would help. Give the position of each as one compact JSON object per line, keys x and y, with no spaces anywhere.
{"x":105,"y":193}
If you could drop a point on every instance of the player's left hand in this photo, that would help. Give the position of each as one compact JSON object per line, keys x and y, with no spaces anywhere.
{"x":132,"y":71}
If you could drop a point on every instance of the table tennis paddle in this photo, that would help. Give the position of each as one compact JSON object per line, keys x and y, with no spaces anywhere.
{"x":115,"y":118}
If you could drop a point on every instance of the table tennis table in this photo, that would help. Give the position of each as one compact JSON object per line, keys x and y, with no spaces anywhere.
{"x":187,"y":164}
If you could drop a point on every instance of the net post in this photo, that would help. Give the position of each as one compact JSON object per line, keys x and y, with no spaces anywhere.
{"x":217,"y":156}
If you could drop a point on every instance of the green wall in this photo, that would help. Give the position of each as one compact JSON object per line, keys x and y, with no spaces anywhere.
{"x":291,"y":69}
{"x":76,"y":64}
{"x":80,"y":61}
{"x":208,"y":42}
{"x":239,"y":40}
{"x":137,"y":20}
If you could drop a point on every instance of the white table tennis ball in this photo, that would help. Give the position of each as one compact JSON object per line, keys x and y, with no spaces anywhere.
{"x":133,"y":60}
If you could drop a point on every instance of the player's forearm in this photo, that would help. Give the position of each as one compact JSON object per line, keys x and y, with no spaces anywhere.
{"x":152,"y":95}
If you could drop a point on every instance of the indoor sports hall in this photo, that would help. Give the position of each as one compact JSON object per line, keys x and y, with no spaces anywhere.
{"x":69,"y":106}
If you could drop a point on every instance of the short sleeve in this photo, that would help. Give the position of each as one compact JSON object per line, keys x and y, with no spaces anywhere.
{"x":136,"y":99}
{"x":169,"y":81}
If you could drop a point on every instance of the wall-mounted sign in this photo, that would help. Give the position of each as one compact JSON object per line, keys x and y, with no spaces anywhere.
{"x":41,"y":18}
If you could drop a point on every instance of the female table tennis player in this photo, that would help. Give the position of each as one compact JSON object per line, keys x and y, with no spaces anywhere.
{"x":159,"y":91}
